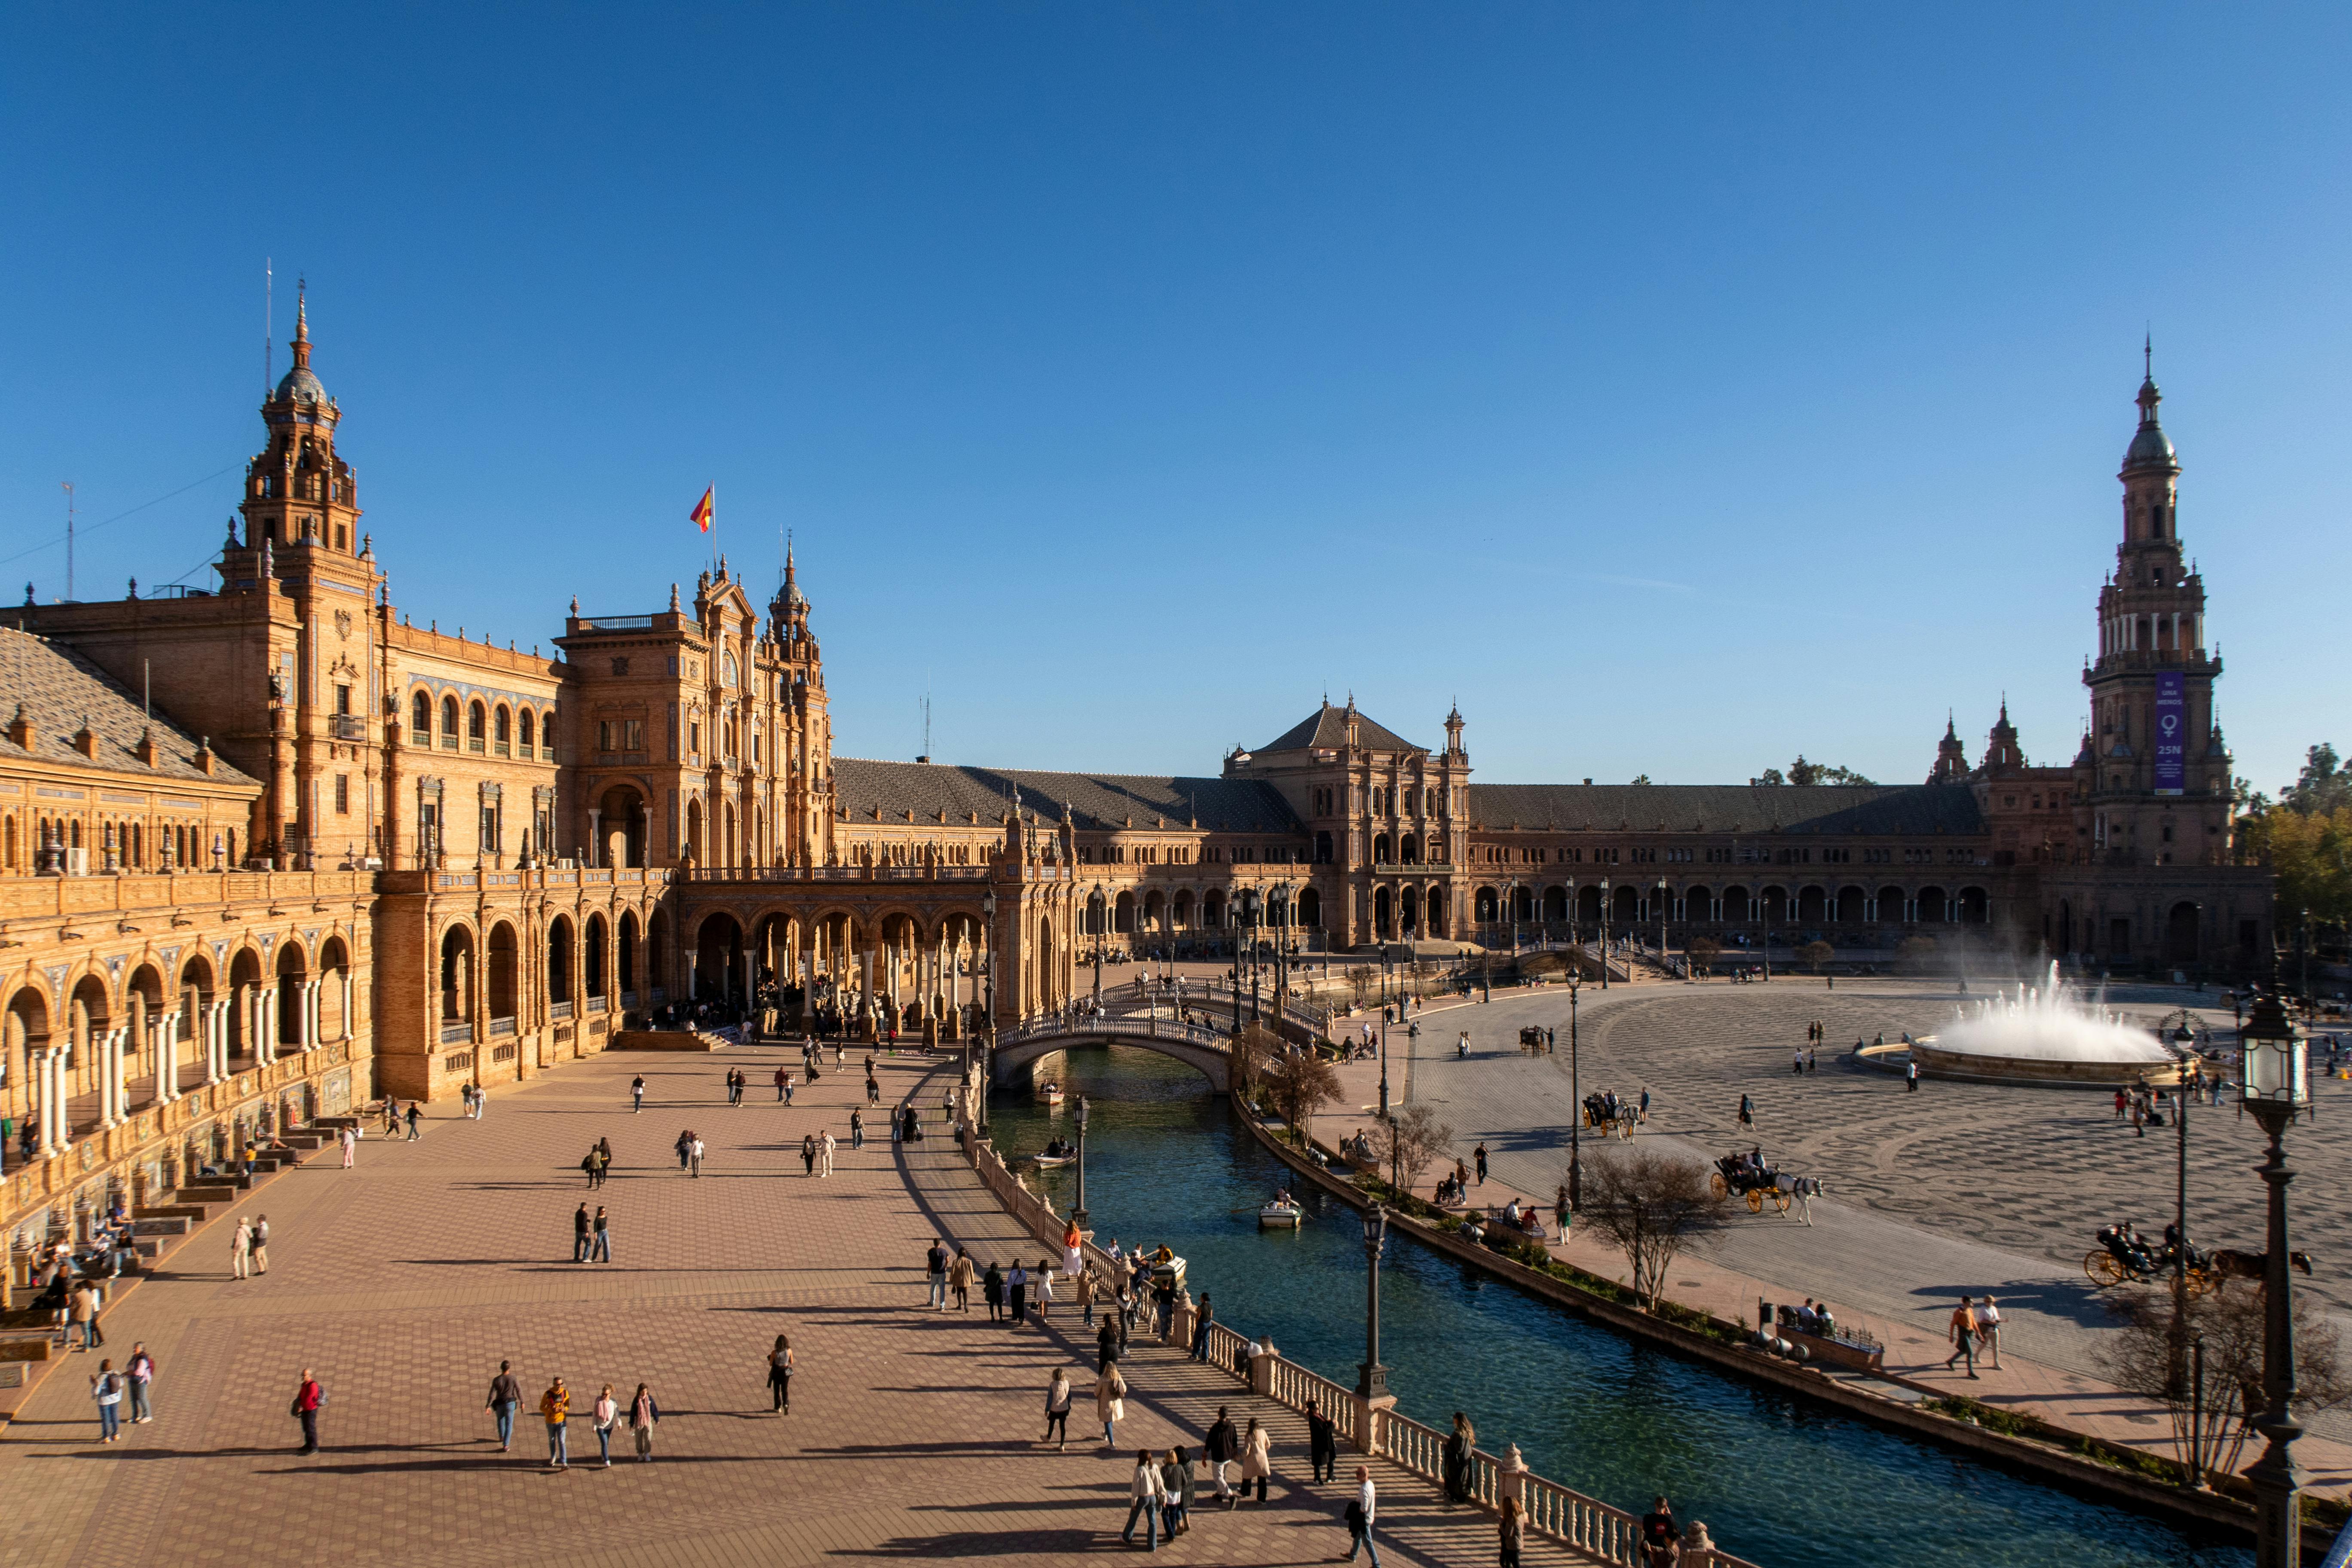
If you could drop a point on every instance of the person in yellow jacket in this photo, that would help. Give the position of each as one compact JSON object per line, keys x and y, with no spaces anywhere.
{"x":555,"y":1404}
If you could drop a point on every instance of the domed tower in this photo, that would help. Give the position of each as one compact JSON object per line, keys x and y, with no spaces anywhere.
{"x":808,"y":724}
{"x":1951,"y":757}
{"x":2002,"y":754}
{"x":301,"y":500}
{"x":2154,"y":797}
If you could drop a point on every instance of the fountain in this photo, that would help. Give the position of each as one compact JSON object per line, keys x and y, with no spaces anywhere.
{"x":2045,"y":1034}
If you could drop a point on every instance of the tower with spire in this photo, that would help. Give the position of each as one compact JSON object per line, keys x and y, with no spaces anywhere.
{"x":1951,"y":757}
{"x":2154,"y":789}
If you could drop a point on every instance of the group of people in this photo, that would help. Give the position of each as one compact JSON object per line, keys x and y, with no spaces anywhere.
{"x":605,"y":1413}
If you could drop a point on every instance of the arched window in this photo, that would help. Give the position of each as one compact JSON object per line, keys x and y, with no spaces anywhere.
{"x":530,"y":723}
{"x":504,"y":729}
{"x":477,"y":720}
{"x":449,"y":722}
{"x":420,"y":719}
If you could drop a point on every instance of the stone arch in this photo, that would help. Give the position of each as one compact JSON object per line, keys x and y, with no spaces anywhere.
{"x":1736,"y":902}
{"x":693,"y":851}
{"x":1310,"y":908}
{"x":1812,"y":904}
{"x":1487,"y":905}
{"x":1931,"y":904}
{"x":1409,"y":850}
{"x":1625,"y":904}
{"x":1588,"y":904}
{"x":657,"y":975}
{"x":420,"y":717}
{"x":1890,"y":902}
{"x":458,"y":976}
{"x":502,"y":729}
{"x":1122,"y":913}
{"x":143,"y":1007}
{"x":502,"y":973}
{"x":1213,"y":908}
{"x":28,"y":1033}
{"x":477,"y":719}
{"x":1851,"y":901}
{"x":2181,"y":933}
{"x":526,"y":730}
{"x":1555,"y":903}
{"x":1383,"y":912}
{"x":449,"y":722}
{"x":1408,"y":912}
{"x":1155,"y":910}
{"x":1974,"y":907}
{"x":719,"y":956}
{"x":293,"y":975}
{"x":334,"y":993}
{"x":244,"y":985}
{"x":593,"y":958}
{"x":1380,"y":846}
{"x":559,"y":960}
{"x":1180,"y":909}
{"x":620,"y":826}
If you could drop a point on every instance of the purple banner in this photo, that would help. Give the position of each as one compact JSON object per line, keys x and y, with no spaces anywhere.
{"x":2171,"y":733}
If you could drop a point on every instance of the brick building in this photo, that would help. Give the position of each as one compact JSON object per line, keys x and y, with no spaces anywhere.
{"x":268,"y":847}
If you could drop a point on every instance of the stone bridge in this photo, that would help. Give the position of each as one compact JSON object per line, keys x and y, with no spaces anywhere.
{"x":1203,"y":1049}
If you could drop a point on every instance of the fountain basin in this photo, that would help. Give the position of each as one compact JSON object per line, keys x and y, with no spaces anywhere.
{"x":1938,"y":1059}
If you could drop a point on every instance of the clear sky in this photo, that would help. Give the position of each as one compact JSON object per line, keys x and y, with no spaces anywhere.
{"x":1677,"y":387}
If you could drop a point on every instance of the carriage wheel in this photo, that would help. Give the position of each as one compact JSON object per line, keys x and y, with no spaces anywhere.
{"x":1717,"y":1185}
{"x":2201,"y":1280}
{"x":1780,"y":1200}
{"x":2103,"y":1268}
{"x":1754,"y":1199}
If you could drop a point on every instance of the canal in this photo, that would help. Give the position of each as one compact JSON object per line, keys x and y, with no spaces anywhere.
{"x":1782,"y":1482}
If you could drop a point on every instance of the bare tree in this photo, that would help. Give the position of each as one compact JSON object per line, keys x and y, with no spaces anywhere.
{"x":1817,"y":953}
{"x":1409,"y":1141}
{"x":2155,"y":1354}
{"x":1701,"y":951}
{"x":1651,"y":1205}
{"x":1302,"y":1083}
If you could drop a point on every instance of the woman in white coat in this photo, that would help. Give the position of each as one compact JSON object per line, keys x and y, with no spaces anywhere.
{"x":1110,"y":1403}
{"x":1257,"y":1458}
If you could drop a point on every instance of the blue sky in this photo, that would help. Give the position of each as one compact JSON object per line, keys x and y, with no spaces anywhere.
{"x":1676,"y":387}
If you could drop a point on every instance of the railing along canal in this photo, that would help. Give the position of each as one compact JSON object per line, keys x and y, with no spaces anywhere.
{"x":1592,"y":1529}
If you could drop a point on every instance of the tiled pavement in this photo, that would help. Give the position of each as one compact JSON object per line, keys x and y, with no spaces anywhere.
{"x":404,"y":1280}
{"x":1957,"y":1187}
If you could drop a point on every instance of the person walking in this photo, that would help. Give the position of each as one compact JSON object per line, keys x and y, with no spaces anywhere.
{"x":106,"y":1390}
{"x":1989,"y":1329}
{"x":1911,"y":1078}
{"x":784,"y":1081}
{"x":1510,"y":1528}
{"x":1322,"y":1444}
{"x":1110,"y":1403}
{"x":1257,"y":1458}
{"x":505,"y":1399}
{"x":603,"y":1160}
{"x":694,"y":1158}
{"x":1176,"y":1488}
{"x":140,"y":1373}
{"x":347,"y":1140}
{"x":1746,"y":1112}
{"x":788,"y":1088}
{"x":1219,"y":1449}
{"x":85,"y":1307}
{"x":645,"y":1415}
{"x":580,"y":1234}
{"x":992,"y":1291}
{"x":779,"y":1376}
{"x":1086,"y":1295}
{"x":555,"y":1408}
{"x":588,"y":1168}
{"x":685,"y":1147}
{"x":960,"y":1273}
{"x":1202,"y":1320}
{"x":1145,"y":1495}
{"x":600,"y":1248}
{"x":1058,"y":1409}
{"x":1045,"y":1278}
{"x":415,"y":1117}
{"x":808,"y":1154}
{"x":607,"y":1415}
{"x":1962,"y":1330}
{"x":856,"y":1128}
{"x":1479,"y":1154}
{"x":1107,"y":1343}
{"x":934,"y":1276}
{"x":1362,"y":1509}
{"x":825,"y":1153}
{"x":240,"y":1251}
{"x":1016,"y":1296}
{"x":308,"y":1400}
{"x":636,"y":1094}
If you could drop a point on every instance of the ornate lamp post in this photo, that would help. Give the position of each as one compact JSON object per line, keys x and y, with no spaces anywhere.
{"x":987,"y":1001}
{"x":1372,"y":1378}
{"x":1575,"y":1093}
{"x":1604,"y":933}
{"x":2273,"y":1086}
{"x":1099,"y":917}
{"x":1663,"y":903}
{"x":1079,"y":1211}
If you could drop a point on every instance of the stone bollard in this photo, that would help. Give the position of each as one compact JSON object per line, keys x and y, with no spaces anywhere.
{"x":1698,"y":1548}
{"x":1371,"y":1414}
{"x":1179,"y":1321}
{"x":1262,"y":1370}
{"x":1511,"y":1478}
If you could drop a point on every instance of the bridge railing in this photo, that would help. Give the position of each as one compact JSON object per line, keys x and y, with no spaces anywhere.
{"x":1096,"y":1026}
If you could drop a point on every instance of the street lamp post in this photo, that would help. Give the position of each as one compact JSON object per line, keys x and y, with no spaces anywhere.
{"x":1604,"y":933}
{"x":1078,"y":1210}
{"x":1101,"y":912}
{"x":1663,"y":902}
{"x":1372,"y":1378}
{"x":987,"y":1000}
{"x":2274,"y":1085}
{"x":1575,"y":1093}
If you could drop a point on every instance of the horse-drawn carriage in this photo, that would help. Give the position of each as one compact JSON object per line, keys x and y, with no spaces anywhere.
{"x":1609,"y":1112}
{"x":1747,"y":1176}
{"x":2123,"y":1258}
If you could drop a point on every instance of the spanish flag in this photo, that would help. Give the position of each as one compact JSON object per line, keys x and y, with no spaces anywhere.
{"x":704,"y":512}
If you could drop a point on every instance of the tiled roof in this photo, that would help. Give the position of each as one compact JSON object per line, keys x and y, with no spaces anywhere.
{"x":1727,"y":809}
{"x":1097,"y":801}
{"x":1328,"y":727}
{"x":60,"y":688}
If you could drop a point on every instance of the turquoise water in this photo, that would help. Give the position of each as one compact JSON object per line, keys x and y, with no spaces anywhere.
{"x":1782,"y":1482}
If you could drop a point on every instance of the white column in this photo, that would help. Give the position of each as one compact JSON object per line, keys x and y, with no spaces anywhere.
{"x":347,"y":1005}
{"x":53,"y":1104}
{"x":112,"y":1088}
{"x":310,"y":1013}
{"x":167,"y":1058}
{"x":216,"y":1032}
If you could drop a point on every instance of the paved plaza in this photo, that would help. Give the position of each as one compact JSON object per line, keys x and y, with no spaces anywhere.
{"x":404,"y":1280}
{"x":1957,"y":1187}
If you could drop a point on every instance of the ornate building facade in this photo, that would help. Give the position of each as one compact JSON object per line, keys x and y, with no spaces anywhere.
{"x":269,"y":849}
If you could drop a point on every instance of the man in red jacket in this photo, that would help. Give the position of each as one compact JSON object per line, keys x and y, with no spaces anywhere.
{"x":306,"y":1401}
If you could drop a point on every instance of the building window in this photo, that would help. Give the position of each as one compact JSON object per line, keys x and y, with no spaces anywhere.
{"x":635,"y":732}
{"x":342,"y":699}
{"x":605,"y":732}
{"x":449,"y":723}
{"x":343,"y":795}
{"x":489,"y":828}
{"x":477,"y":722}
{"x":420,"y":719}
{"x":529,"y":730}
{"x":504,"y":744}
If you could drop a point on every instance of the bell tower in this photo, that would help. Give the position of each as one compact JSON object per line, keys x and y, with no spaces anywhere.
{"x":2159,"y":783}
{"x":301,"y":500}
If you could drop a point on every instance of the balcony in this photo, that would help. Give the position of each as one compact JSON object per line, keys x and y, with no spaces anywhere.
{"x":456,"y":1030}
{"x":501,"y":1026}
{"x":347,"y":727}
{"x":559,"y":1009}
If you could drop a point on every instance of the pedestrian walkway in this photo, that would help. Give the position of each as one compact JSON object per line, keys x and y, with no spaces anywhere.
{"x":404,"y":1281}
